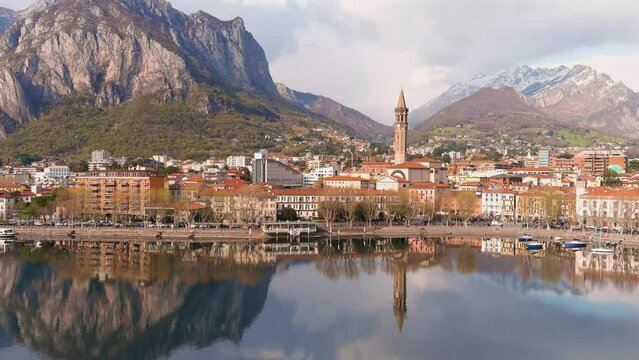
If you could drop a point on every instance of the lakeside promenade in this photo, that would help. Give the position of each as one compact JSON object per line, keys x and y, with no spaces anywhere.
{"x":182,"y":234}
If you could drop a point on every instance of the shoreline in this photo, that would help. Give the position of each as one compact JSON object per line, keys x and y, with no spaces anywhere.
{"x":37,"y":233}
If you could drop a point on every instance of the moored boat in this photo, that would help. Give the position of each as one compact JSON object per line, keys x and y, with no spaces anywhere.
{"x":575,"y":245}
{"x":534,"y":246}
{"x":525,"y":238}
{"x":7,"y":236}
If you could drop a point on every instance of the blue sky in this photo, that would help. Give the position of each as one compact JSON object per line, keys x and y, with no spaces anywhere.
{"x":360,"y":53}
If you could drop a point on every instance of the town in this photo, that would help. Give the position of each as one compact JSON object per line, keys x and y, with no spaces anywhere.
{"x":585,"y":188}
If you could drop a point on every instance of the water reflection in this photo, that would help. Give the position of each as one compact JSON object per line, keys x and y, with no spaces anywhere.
{"x":337,"y":299}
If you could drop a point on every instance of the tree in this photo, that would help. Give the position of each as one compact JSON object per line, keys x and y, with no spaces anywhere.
{"x":329,"y":210}
{"x":611,"y":178}
{"x":467,"y":204}
{"x":552,"y":202}
{"x":395,"y":211}
{"x":162,"y":203}
{"x":428,"y":210}
{"x":351,"y":208}
{"x":288,"y":214}
{"x":369,"y":211}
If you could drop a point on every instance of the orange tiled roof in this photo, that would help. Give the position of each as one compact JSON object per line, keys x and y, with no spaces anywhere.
{"x":427,"y":185}
{"x":410,"y":165}
{"x":344,"y":178}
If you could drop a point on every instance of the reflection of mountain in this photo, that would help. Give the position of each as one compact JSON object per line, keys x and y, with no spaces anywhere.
{"x":64,"y":316}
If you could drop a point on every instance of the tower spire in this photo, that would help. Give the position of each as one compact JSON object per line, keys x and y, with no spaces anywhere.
{"x":401,"y":103}
{"x":401,"y":128}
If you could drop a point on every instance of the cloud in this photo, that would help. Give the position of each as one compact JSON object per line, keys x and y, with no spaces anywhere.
{"x":359,"y":53}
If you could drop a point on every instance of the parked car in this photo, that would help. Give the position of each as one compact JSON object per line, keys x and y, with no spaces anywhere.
{"x":496,"y":223}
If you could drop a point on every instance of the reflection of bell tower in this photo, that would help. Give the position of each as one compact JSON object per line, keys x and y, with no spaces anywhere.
{"x":399,"y":294}
{"x":401,"y":129}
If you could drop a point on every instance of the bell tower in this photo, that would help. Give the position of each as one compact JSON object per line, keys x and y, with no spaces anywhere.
{"x":401,"y":129}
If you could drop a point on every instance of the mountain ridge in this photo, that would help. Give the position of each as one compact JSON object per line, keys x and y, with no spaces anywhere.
{"x":578,"y":96}
{"x":363,"y":125}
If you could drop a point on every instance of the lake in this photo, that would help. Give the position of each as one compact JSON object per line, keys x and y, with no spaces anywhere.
{"x":377,"y":299}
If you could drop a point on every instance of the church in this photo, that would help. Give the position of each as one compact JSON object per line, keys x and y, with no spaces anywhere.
{"x":420,"y":170}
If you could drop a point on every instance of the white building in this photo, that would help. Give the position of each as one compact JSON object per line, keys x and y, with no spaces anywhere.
{"x":311,"y":179}
{"x":236,"y":161}
{"x":392,"y":183}
{"x":57,"y":172}
{"x":7,"y":205}
{"x":498,"y":203}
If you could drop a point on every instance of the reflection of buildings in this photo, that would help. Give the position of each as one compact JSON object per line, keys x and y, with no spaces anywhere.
{"x":624,"y":262}
{"x":497,"y":246}
{"x":399,"y":293}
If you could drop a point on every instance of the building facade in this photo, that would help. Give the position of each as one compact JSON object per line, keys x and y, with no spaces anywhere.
{"x":120,"y":192}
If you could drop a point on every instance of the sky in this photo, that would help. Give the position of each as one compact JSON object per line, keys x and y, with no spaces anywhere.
{"x":360,"y":52}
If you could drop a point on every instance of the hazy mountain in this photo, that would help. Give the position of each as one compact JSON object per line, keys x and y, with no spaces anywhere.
{"x":7,"y":17}
{"x":578,"y":96}
{"x":363,"y":126}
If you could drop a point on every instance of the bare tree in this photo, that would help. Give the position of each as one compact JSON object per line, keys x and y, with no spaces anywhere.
{"x":351,"y":209}
{"x":369,"y":211}
{"x":330,"y":210}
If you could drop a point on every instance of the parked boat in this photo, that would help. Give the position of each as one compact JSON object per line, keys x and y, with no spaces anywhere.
{"x":525,"y":238}
{"x":7,"y":233}
{"x":534,"y":246}
{"x":602,"y":250}
{"x":575,"y":245}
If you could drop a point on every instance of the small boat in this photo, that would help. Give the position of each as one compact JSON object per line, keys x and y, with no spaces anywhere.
{"x":7,"y":234}
{"x":525,"y":238}
{"x":602,"y":250}
{"x":534,"y":246}
{"x":575,"y":245}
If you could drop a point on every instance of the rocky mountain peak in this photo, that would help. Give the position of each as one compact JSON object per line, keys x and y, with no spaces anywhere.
{"x":112,"y":50}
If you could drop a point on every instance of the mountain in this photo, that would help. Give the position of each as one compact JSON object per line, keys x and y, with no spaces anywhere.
{"x":524,"y":79}
{"x":138,"y":76}
{"x":577,"y":97}
{"x":501,"y":110}
{"x":363,"y":126}
{"x":7,"y":17}
{"x":67,"y":48}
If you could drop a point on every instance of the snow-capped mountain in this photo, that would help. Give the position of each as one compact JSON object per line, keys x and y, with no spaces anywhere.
{"x":577,"y":96}
{"x":547,"y":88}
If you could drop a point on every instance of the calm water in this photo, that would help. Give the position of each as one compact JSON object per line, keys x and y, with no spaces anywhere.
{"x":409,"y":299}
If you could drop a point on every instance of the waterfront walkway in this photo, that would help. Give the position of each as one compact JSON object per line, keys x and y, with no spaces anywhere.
{"x":54,"y":233}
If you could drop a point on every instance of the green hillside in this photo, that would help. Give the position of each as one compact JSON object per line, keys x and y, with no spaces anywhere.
{"x":143,"y":127}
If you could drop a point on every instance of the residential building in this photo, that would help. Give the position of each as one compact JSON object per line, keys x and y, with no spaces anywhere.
{"x":244,"y":204}
{"x":543,"y":158}
{"x":236,"y":161}
{"x":120,"y":192}
{"x":609,"y":207}
{"x":311,"y":179}
{"x":428,"y":192}
{"x":595,"y":162}
{"x":344,"y":182}
{"x":546,"y":204}
{"x":306,"y":201}
{"x":499,"y":203}
{"x":7,"y":206}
